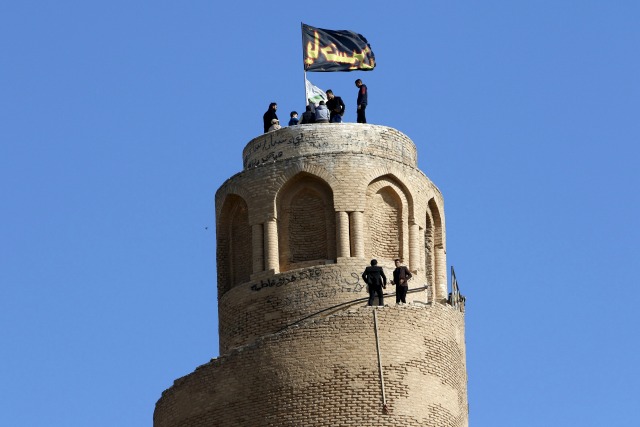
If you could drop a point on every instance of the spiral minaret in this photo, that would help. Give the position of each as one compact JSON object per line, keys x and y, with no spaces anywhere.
{"x":298,"y":345}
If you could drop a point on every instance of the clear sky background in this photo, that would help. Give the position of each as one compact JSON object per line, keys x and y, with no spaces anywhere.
{"x":119,"y":120}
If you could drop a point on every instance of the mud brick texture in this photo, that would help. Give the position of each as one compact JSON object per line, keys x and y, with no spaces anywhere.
{"x":295,"y":229}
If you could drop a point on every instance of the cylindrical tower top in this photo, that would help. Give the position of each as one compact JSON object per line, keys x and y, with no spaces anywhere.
{"x":314,"y":139}
{"x":295,"y":230}
{"x":313,"y":205}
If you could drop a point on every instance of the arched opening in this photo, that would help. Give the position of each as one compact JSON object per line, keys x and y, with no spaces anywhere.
{"x":429,"y":249}
{"x":306,"y":222}
{"x":386,"y":220}
{"x":434,"y":251}
{"x":234,"y":249}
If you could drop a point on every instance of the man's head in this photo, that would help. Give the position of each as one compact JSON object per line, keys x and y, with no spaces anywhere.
{"x":321,"y":103}
{"x":374,"y":262}
{"x":397,"y":261}
{"x":330,"y":94}
{"x":273,"y":106}
{"x":358,"y":82}
{"x":293,"y":114}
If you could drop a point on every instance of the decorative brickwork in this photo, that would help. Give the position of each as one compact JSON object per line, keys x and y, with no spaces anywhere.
{"x":428,"y":250}
{"x":438,"y":252}
{"x":384,"y":216}
{"x":295,"y":230}
{"x":387,"y":220}
{"x":324,"y":373}
{"x":306,"y":221}
{"x":306,"y":226}
{"x":234,"y":244}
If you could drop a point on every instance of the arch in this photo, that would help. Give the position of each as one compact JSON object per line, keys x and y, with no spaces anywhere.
{"x":306,"y":222}
{"x":429,"y":248}
{"x":435,"y":261}
{"x":233,"y":248}
{"x":227,"y":189}
{"x":384,"y":173}
{"x":295,"y":171}
{"x":387,"y":220}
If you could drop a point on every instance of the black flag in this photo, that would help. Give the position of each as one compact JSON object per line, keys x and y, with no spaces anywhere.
{"x":329,"y":50}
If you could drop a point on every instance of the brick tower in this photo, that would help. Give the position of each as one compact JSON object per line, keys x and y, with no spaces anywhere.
{"x":298,"y":345}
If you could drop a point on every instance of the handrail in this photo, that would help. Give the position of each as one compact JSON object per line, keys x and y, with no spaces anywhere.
{"x":346,"y":303}
{"x":456,"y":299}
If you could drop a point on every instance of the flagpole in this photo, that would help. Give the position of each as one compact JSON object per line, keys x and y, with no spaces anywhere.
{"x":306,"y":101}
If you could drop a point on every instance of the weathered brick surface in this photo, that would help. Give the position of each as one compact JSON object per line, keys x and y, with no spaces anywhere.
{"x":295,"y":230}
{"x":234,"y":249}
{"x":386,"y":224}
{"x":306,"y":220}
{"x":296,"y":141}
{"x":325,"y":373}
{"x":265,"y":306}
{"x":346,"y":168}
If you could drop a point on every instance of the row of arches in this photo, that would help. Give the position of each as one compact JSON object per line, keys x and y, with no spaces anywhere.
{"x":308,"y":230}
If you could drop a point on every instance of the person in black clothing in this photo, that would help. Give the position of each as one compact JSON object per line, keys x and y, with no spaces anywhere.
{"x":309,"y":116}
{"x":401,"y":276}
{"x":375,"y":278}
{"x":362,"y":101}
{"x":269,"y":116}
{"x":336,"y":107}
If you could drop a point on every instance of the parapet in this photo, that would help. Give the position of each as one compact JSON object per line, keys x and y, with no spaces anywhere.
{"x":313,"y":139}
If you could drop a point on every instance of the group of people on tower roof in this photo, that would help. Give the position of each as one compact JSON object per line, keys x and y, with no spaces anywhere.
{"x":330,"y":112}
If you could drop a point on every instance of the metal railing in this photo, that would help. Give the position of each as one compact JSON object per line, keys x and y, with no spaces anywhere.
{"x":334,"y":307}
{"x":456,"y":299}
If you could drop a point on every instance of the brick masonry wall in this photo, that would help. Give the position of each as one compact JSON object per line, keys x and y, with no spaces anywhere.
{"x":295,"y":141}
{"x":306,"y":227}
{"x":265,"y":306}
{"x":324,"y":372}
{"x":234,"y":245}
{"x":239,"y":249}
{"x":383,"y":225}
{"x":331,"y":168}
{"x":295,"y":230}
{"x":306,"y":219}
{"x":347,"y":176}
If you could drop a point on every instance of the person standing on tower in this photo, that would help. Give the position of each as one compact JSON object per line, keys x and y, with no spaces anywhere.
{"x":309,"y":116}
{"x":375,"y":278}
{"x":268,"y":117}
{"x":401,"y":276}
{"x":336,"y":107}
{"x":322,"y":113}
{"x":362,"y":101}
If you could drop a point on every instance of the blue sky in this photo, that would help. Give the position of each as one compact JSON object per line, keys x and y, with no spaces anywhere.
{"x":119,"y":121}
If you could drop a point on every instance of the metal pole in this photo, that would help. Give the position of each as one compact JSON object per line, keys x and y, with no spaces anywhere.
{"x":384,"y":397}
{"x":453,"y":288}
{"x":306,"y":101}
{"x":342,"y":304}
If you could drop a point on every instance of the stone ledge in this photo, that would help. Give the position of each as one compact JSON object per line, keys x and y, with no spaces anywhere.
{"x":311,"y":139}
